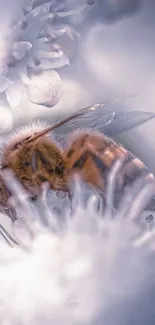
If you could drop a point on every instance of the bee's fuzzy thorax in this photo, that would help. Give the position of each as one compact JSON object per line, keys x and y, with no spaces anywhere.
{"x":21,"y":133}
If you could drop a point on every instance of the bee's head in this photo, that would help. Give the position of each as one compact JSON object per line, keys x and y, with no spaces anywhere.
{"x":34,"y":162}
{"x":18,"y":155}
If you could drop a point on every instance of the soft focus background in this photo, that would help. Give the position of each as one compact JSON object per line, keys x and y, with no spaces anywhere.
{"x":115,"y":57}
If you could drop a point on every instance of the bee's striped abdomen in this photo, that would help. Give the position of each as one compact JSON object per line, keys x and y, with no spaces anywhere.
{"x":92,"y":155}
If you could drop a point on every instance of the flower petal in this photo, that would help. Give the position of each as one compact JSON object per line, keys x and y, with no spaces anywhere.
{"x":28,"y":5}
{"x":6,"y":118}
{"x":45,"y":88}
{"x":20,"y":49}
{"x":53,"y":60}
{"x":60,"y":30}
{"x":5,"y":83}
{"x":44,"y":8}
{"x":14,"y":94}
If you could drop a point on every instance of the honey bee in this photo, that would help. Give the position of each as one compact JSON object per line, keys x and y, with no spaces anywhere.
{"x":35,"y":158}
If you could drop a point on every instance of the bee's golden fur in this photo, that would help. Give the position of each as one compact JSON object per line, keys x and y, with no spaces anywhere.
{"x":88,"y":153}
{"x":44,"y":160}
{"x":94,"y":144}
{"x":46,"y":156}
{"x":34,"y":158}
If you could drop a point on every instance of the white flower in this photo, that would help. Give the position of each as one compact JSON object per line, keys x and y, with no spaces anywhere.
{"x":78,"y":270}
{"x":44,"y":88}
{"x":6,"y":118}
{"x":32,"y":47}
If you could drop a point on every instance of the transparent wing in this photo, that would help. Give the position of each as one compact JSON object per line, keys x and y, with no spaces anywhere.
{"x":109,"y":122}
{"x":91,"y":118}
{"x":96,"y":117}
{"x":124,"y":121}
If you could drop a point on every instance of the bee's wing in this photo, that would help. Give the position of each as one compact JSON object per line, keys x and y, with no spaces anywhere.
{"x":93,"y":120}
{"x":109,"y":122}
{"x":95,"y":117}
{"x":124,"y":121}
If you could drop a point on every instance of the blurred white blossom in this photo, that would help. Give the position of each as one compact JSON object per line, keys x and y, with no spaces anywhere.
{"x":6,"y":118}
{"x":33,"y":48}
{"x":77,"y":268}
{"x":45,"y":88}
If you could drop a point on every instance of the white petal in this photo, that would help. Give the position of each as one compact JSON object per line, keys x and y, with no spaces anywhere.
{"x":3,"y":70}
{"x":28,"y":5}
{"x":40,"y":43}
{"x":55,"y":62}
{"x":33,"y":13}
{"x":24,"y":77}
{"x":45,"y":88}
{"x":6,"y":222}
{"x":44,"y":8}
{"x":21,"y":233}
{"x":50,"y":54}
{"x":72,"y":12}
{"x":5,"y":83}
{"x":14,"y":94}
{"x":42,"y":33}
{"x":72,"y":33}
{"x":61,"y":30}
{"x":20,"y":49}
{"x":6,"y":118}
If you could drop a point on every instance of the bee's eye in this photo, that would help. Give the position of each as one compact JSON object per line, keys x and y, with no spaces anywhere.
{"x":26,"y":164}
{"x":50,"y":170}
{"x":59,"y":170}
